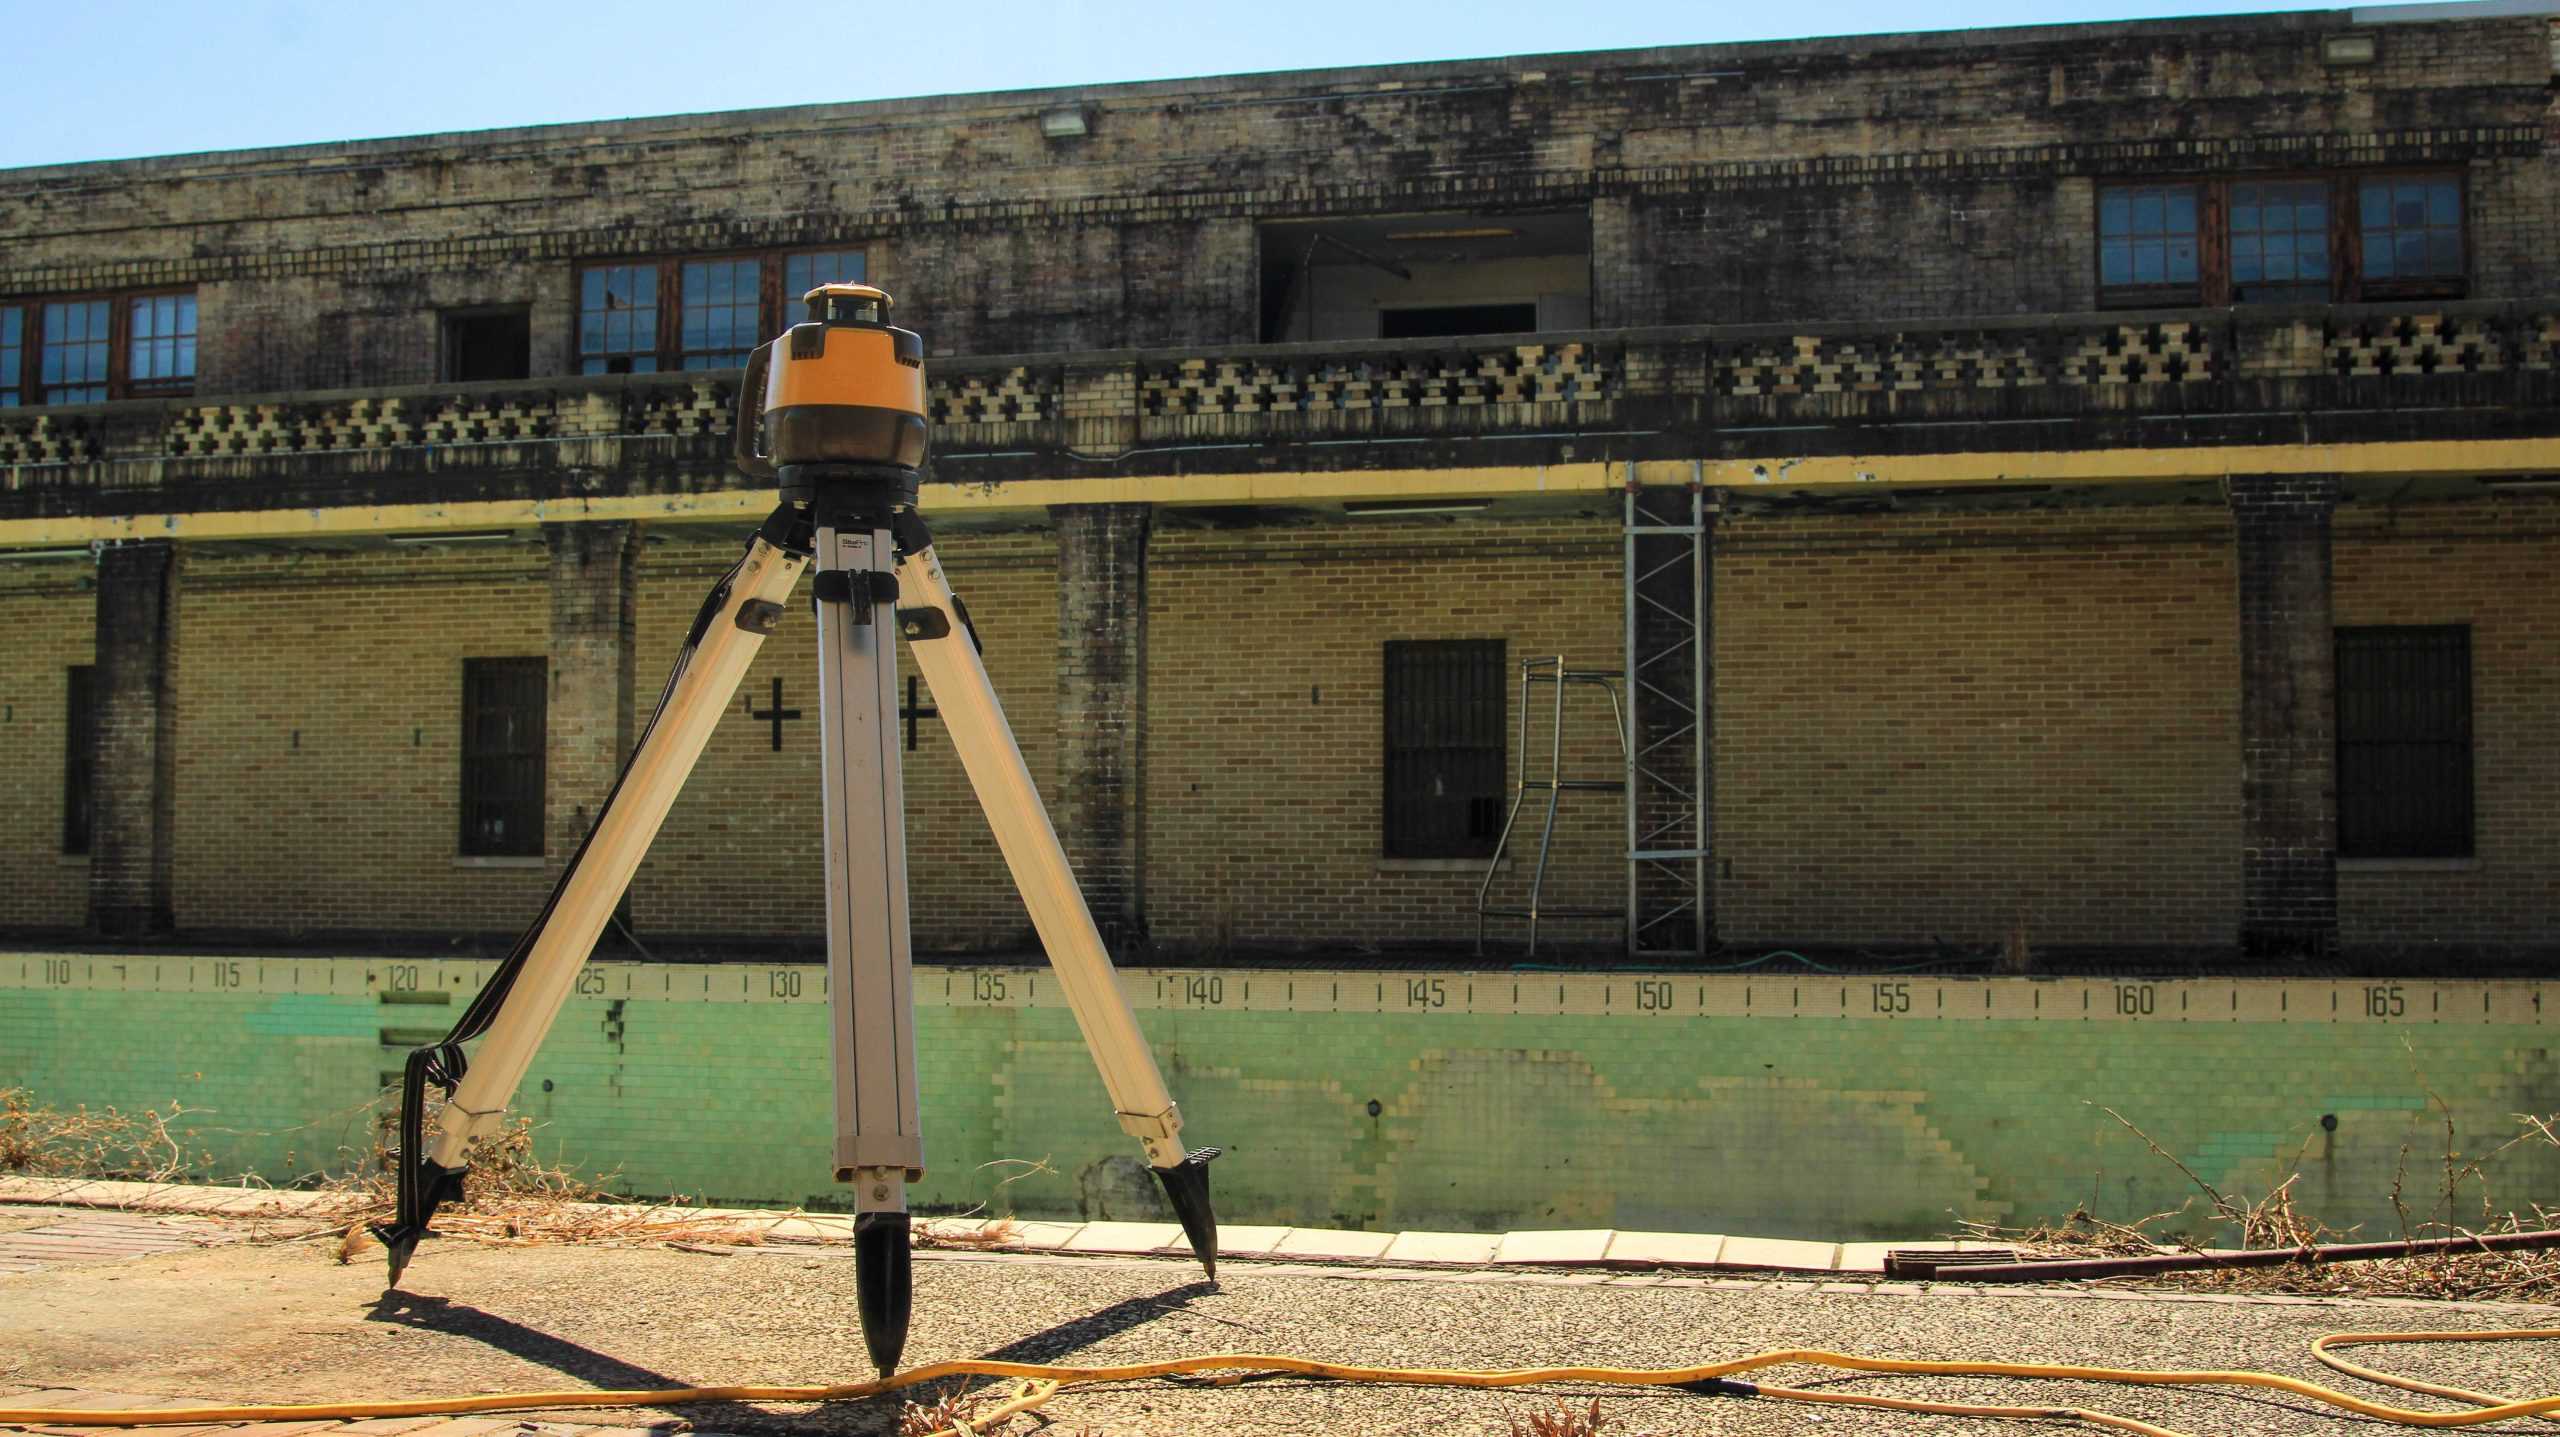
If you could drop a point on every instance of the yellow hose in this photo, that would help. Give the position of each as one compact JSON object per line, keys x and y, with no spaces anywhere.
{"x":1038,"y":1382}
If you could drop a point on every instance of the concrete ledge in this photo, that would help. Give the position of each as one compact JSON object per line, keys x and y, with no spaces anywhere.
{"x":1564,"y":1248}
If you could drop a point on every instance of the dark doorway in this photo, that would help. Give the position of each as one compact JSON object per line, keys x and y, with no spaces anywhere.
{"x":488,"y":344}
{"x":1436,"y":320}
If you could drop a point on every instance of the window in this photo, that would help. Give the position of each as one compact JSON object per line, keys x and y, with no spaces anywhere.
{"x":618,"y":320}
{"x":809,"y":269}
{"x":2404,"y":742}
{"x":502,"y":718}
{"x":92,"y":348}
{"x":2280,"y":241}
{"x":2147,"y":240}
{"x":706,"y":313}
{"x":721,"y":297}
{"x":2411,"y":228}
{"x":1444,"y":711}
{"x":76,"y":347}
{"x":80,"y":759}
{"x":488,"y":344}
{"x":13,"y":354}
{"x":161,"y":342}
{"x":2299,"y":239}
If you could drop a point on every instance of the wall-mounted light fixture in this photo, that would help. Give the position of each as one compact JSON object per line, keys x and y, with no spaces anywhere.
{"x":1067,"y":122}
{"x":2350,"y":49}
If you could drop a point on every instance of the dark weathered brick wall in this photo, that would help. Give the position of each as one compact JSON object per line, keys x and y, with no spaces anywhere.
{"x":136,"y":754}
{"x":1102,"y":709}
{"x":1899,"y":175}
{"x":587,"y":728}
{"x":2288,"y":716}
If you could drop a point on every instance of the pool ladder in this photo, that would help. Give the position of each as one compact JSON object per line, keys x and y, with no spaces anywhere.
{"x":1559,"y":680}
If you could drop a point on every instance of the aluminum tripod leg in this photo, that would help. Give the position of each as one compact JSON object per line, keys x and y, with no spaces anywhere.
{"x":694,"y":706}
{"x":879,"y":1145}
{"x":948,"y":658}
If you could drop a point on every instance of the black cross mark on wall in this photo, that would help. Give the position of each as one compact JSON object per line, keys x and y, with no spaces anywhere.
{"x":911,"y":713}
{"x":777,"y":714}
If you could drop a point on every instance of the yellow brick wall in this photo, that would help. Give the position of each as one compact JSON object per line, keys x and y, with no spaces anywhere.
{"x":1947,"y":726}
{"x":1265,"y":722}
{"x":2495,"y":567}
{"x":355,"y":824}
{"x":741,"y":853}
{"x":1926,"y":727}
{"x":48,"y":610}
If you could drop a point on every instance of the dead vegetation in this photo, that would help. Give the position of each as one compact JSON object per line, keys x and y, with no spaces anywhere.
{"x":2459,"y":1203}
{"x":1562,"y":1420}
{"x":38,"y":1141}
{"x":512,"y":1197}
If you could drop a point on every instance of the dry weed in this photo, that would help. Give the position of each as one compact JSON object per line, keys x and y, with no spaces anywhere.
{"x":1562,"y":1420}
{"x":37,"y":1141}
{"x":959,"y":1411}
{"x":2275,"y":1221}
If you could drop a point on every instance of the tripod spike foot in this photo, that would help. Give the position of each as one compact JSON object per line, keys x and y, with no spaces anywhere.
{"x":1186,"y":1186}
{"x":883,"y":1284}
{"x":400,"y":1245}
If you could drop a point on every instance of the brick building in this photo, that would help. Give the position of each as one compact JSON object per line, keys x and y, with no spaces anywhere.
{"x":2122,"y":462}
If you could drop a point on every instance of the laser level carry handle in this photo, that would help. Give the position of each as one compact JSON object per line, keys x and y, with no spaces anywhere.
{"x":745,"y":431}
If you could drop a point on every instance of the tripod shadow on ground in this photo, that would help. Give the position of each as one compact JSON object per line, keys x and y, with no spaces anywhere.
{"x":590,"y":1367}
{"x":1051,"y":1344}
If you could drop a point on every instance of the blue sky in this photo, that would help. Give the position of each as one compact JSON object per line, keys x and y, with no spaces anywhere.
{"x":108,"y":79}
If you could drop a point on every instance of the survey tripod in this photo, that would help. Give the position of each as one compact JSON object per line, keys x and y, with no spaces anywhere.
{"x":832,"y":413}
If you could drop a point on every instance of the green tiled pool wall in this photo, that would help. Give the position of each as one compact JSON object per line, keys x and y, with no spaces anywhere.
{"x":1779,"y":1126}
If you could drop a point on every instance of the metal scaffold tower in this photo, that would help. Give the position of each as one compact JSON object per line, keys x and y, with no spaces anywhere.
{"x":1668,"y":675}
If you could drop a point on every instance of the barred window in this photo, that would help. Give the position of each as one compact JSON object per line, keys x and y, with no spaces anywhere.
{"x":503,"y":702}
{"x":79,"y":758}
{"x":1444,"y":723}
{"x":2404,"y":742}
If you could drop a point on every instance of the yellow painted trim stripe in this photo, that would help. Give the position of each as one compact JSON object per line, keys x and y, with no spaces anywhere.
{"x":958,"y":495}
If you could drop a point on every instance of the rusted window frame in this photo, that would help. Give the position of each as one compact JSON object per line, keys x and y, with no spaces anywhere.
{"x":120,"y":381}
{"x":2214,"y":285}
{"x":771,"y":302}
{"x":2361,"y":288}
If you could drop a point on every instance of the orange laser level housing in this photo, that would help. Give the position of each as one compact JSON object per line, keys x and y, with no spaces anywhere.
{"x":842,"y":387}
